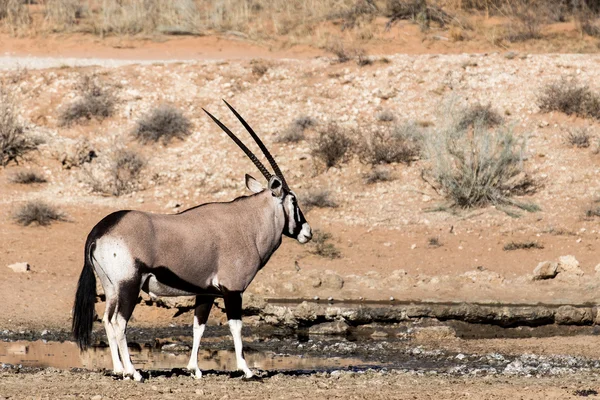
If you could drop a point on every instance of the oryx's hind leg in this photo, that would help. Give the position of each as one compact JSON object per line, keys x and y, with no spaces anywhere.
{"x":111,"y":336}
{"x":127,"y":298}
{"x":233,"y":308}
{"x":201,"y":313}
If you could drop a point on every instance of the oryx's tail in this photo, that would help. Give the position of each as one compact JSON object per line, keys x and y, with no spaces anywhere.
{"x":85,"y":299}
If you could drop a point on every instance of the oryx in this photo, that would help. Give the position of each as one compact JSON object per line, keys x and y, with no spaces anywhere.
{"x":211,"y":250}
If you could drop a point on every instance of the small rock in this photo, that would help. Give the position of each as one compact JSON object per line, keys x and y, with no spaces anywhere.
{"x":597,"y":268}
{"x":96,"y":397}
{"x":545,"y":270}
{"x":329,"y":328}
{"x":379,"y":334}
{"x":331,"y":280}
{"x":20,"y":267}
{"x":569,"y":315}
{"x":414,"y":246}
{"x":434,"y":333}
{"x":175,"y":347}
{"x":569,"y":265}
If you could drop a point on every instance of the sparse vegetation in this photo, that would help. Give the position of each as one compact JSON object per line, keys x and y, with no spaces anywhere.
{"x":259,"y":67}
{"x":27,"y":177}
{"x":163,"y":123}
{"x":14,"y":143}
{"x":322,"y":245}
{"x":522,"y":246}
{"x":418,"y":11}
{"x":119,"y":174}
{"x":386,"y":116}
{"x":481,"y":114}
{"x":95,"y":101}
{"x":477,"y":167}
{"x":332,"y":146}
{"x":318,"y":198}
{"x":377,"y":174}
{"x":526,"y":20}
{"x":63,"y":14}
{"x":37,"y":212}
{"x":570,"y":97}
{"x":434,"y":242}
{"x":402,"y":144}
{"x":579,"y":137}
{"x":294,"y":133}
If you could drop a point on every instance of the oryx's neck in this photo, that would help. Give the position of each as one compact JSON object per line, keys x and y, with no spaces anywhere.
{"x":265,"y":225}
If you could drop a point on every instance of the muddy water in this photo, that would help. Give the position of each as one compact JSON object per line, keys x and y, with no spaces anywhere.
{"x":66,"y":355}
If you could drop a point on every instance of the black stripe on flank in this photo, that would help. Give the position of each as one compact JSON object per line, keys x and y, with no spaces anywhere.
{"x":107,"y":223}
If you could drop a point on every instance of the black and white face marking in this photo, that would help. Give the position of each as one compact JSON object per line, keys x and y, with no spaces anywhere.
{"x":296,"y":225}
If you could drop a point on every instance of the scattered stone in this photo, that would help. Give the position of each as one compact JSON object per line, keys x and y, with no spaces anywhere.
{"x":545,"y":270}
{"x":177,"y":302}
{"x":329,"y":328}
{"x":331,"y":280}
{"x":435,"y":333}
{"x":20,"y":267}
{"x":569,"y":315}
{"x":379,"y":334}
{"x":306,"y":311}
{"x":96,"y":397}
{"x":569,"y":265}
{"x":175,"y":347}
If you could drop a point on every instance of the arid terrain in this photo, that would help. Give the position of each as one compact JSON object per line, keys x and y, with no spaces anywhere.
{"x":388,"y":231}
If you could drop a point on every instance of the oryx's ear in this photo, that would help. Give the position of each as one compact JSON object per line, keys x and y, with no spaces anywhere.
{"x":276,"y":186}
{"x":253,"y":185}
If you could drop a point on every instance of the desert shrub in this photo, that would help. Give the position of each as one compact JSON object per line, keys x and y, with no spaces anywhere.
{"x":94,"y":101}
{"x":295,"y":131}
{"x":323,"y":247}
{"x":118,"y":174}
{"x":579,"y":137}
{"x":259,"y":67}
{"x":14,"y":143}
{"x":130,"y":17}
{"x":377,"y":174}
{"x":63,"y":14}
{"x":398,"y":145}
{"x":318,"y":198}
{"x":418,"y":11}
{"x":434,"y":242}
{"x":14,"y":14}
{"x":164,"y":123}
{"x":569,"y":97}
{"x":522,"y":246}
{"x":27,"y":177}
{"x":344,"y":53}
{"x":477,"y":167}
{"x":385,"y":116}
{"x":479,"y":114}
{"x":37,"y":212}
{"x":332,"y":146}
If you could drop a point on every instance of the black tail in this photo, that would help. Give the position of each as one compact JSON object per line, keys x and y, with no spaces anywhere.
{"x":85,"y":299}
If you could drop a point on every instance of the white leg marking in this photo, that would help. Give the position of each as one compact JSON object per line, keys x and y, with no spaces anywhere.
{"x":120,"y":325}
{"x":193,"y":364}
{"x":235,"y":326}
{"x":112,"y":343}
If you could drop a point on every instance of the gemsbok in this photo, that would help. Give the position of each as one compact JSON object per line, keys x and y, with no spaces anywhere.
{"x":211,"y":250}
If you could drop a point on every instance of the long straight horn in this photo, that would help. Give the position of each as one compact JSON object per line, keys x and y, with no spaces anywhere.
{"x":242,"y":146}
{"x":261,"y":145}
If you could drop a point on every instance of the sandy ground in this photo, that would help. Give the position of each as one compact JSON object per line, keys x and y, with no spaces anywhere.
{"x":68,"y":385}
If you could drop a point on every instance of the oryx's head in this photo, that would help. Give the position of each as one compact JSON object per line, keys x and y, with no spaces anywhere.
{"x":296,"y":225}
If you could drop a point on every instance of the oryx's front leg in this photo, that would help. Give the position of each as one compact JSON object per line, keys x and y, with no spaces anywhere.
{"x":203,"y":306}
{"x":233,"y":308}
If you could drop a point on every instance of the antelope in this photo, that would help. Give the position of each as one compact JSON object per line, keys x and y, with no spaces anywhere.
{"x":208,"y":251}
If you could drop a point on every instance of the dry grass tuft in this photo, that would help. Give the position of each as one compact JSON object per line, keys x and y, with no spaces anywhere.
{"x":37,"y":212}
{"x":479,"y":114}
{"x":569,"y":97}
{"x":402,"y":144}
{"x":294,"y":133}
{"x":579,"y":137}
{"x":318,"y":198}
{"x":322,"y":246}
{"x":119,"y":175}
{"x":378,"y":174}
{"x":27,"y":177}
{"x":522,"y":246}
{"x":164,"y":123}
{"x":332,"y":146}
{"x":95,"y":101}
